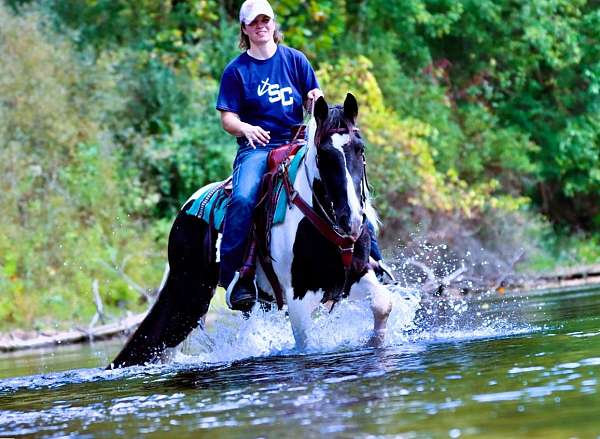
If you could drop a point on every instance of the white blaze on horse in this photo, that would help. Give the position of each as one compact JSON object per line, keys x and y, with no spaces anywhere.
{"x":318,"y":253}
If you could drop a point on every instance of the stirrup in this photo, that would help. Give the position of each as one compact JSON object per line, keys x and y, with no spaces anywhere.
{"x":386,"y":270}
{"x":231,"y":287}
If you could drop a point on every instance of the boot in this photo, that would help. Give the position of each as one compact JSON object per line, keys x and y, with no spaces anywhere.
{"x":241,"y":293}
{"x":382,"y":271}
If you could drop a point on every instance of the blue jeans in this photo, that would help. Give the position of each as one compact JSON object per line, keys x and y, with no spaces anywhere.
{"x":375,"y":251}
{"x":248,"y":168}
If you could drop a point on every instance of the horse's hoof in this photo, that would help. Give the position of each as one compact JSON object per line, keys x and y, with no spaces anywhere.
{"x":377,"y":339}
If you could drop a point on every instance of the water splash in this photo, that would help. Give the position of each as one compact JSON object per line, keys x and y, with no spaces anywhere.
{"x":414,"y":318}
{"x":418,"y":314}
{"x":348,"y":326}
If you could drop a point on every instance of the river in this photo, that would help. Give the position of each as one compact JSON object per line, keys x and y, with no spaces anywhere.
{"x":483,"y":366}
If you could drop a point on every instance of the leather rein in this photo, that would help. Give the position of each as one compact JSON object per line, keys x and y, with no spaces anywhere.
{"x":327,"y":228}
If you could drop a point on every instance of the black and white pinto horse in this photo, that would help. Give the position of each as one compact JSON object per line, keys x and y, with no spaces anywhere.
{"x":308,"y":265}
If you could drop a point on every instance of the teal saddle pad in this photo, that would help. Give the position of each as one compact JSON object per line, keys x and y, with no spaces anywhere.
{"x":213,"y":198}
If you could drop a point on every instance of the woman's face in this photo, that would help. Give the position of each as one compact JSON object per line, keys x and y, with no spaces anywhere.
{"x":260,"y":30}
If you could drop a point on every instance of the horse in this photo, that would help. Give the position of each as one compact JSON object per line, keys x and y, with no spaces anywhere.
{"x":330,"y":190}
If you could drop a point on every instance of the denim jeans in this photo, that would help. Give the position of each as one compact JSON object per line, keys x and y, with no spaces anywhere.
{"x":248,"y":168}
{"x":375,"y":251}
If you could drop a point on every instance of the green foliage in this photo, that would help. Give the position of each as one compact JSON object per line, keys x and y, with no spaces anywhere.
{"x":408,"y":185}
{"x":560,"y":250}
{"x":177,"y":163}
{"x":477,"y":113}
{"x":312,"y":25}
{"x":63,"y":218}
{"x":529,"y":69}
{"x":178,"y":144}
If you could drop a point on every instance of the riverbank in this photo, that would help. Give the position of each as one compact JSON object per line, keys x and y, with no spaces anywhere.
{"x":563,"y":278}
{"x":573,"y":277}
{"x":20,"y":339}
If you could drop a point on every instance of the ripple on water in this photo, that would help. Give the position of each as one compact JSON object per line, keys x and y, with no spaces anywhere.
{"x":192,"y":386}
{"x":516,"y":370}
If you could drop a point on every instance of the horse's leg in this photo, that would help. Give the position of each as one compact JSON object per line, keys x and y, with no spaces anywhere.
{"x":300,"y":311}
{"x":184,"y":299}
{"x":380,"y":300}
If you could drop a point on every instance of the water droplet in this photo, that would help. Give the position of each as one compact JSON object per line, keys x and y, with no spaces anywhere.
{"x":454,"y":433}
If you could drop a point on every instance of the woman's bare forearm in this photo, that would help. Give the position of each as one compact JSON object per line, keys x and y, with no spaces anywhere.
{"x":233,"y":125}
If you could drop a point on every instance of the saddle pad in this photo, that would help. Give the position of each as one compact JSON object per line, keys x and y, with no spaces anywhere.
{"x":212,"y":199}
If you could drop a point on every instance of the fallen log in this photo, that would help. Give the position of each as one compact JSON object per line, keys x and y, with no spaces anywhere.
{"x":11,"y":342}
{"x":572,"y":277}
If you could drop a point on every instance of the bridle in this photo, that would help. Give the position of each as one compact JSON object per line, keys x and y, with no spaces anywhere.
{"x":326,"y":226}
{"x":364,"y":183}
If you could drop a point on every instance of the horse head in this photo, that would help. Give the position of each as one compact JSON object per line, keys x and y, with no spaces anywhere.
{"x":340,"y":188}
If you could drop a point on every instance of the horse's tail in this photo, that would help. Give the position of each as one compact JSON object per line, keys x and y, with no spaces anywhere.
{"x":165,"y":277}
{"x":184,"y":296}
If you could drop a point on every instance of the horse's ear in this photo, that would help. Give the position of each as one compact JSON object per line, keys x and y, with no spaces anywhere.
{"x":350,"y":107}
{"x":321,"y":110}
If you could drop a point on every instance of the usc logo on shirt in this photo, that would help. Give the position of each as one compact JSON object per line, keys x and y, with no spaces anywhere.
{"x":276,"y":93}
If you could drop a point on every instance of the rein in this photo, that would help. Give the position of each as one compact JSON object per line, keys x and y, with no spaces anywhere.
{"x":326,"y":227}
{"x":344,"y":242}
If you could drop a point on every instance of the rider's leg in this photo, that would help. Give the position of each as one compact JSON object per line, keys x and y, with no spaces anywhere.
{"x":380,"y":267}
{"x":375,"y":251}
{"x":249,"y":166}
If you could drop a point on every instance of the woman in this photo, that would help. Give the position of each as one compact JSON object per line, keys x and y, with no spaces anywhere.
{"x":261,"y":98}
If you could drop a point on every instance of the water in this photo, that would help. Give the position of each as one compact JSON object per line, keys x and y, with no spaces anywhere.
{"x":489,"y":366}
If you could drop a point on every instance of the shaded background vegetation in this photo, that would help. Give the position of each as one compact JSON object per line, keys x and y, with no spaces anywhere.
{"x":482,"y":119}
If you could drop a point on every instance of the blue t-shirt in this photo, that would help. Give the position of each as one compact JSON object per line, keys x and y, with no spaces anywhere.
{"x":268,"y":93}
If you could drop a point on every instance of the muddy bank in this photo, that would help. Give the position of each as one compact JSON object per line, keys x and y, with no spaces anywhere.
{"x":563,"y":278}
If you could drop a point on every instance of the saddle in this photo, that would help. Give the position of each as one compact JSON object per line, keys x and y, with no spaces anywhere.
{"x":210,"y":205}
{"x":210,"y":202}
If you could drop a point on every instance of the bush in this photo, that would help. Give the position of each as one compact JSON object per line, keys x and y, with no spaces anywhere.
{"x":406,"y":179}
{"x":64,"y":215}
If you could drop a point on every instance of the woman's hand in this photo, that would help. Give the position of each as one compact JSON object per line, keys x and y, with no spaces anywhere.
{"x":233,"y":125}
{"x":255,"y":134}
{"x":314,"y":94}
{"x":311,"y":98}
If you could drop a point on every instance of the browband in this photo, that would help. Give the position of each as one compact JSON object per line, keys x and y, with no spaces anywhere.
{"x":341,"y":130}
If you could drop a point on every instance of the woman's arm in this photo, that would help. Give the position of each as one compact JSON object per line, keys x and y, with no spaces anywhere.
{"x":233,"y":125}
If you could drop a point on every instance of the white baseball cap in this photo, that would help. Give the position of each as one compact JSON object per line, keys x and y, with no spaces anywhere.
{"x":253,"y":8}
